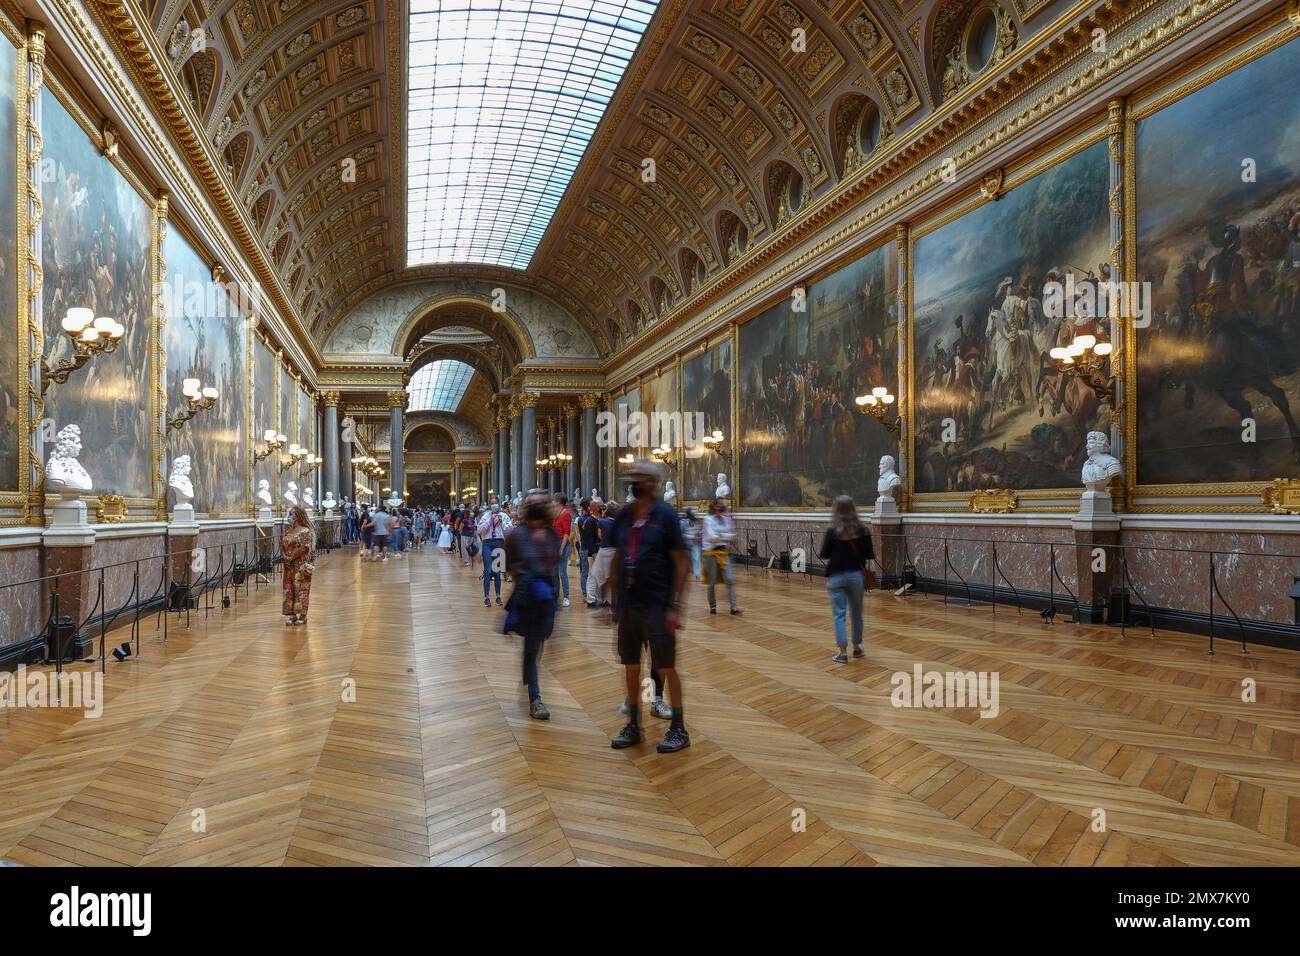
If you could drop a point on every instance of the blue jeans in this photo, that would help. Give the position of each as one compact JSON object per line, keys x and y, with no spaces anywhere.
{"x":562,"y":569}
{"x":584,"y":565}
{"x":712,"y":569}
{"x":490,"y":545}
{"x":846,"y":598}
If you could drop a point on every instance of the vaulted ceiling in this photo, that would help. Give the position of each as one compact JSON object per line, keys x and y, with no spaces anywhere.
{"x":734,"y":115}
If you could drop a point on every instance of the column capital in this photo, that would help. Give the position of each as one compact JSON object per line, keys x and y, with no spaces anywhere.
{"x":529,"y":399}
{"x":500,"y":422}
{"x":397,"y":399}
{"x":590,"y":400}
{"x":516,"y":409}
{"x":570,"y":410}
{"x":329,"y":398}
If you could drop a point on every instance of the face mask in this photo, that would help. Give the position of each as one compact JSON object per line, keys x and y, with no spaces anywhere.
{"x":496,"y":508}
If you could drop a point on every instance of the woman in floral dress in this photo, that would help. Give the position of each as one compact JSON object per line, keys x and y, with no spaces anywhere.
{"x":298,"y":548}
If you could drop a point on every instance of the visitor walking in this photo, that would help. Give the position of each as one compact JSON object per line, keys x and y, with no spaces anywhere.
{"x":649,"y":575}
{"x":602,"y":558}
{"x":717,"y":540}
{"x":846,"y":549}
{"x":532,"y":552}
{"x":492,"y":530}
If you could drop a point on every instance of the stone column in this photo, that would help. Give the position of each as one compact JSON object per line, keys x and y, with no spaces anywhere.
{"x":330,"y":446}
{"x":528,"y":434}
{"x":346,"y":452}
{"x":590,"y":454}
{"x":571,"y":448}
{"x":552,"y":474}
{"x":501,"y":468}
{"x":516,"y":445}
{"x":396,"y":426}
{"x":455,"y":481}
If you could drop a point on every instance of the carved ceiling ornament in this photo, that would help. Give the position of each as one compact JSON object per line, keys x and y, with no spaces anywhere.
{"x":969,"y":38}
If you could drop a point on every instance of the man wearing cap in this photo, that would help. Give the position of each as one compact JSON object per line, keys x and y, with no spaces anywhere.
{"x":649,"y":572}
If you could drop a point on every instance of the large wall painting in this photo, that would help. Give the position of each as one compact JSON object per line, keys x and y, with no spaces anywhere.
{"x":706,"y":388}
{"x":990,"y":409}
{"x":622,"y":407}
{"x":10,"y":374}
{"x":96,"y":246}
{"x":206,"y":338}
{"x":1218,"y":238}
{"x":803,"y":441}
{"x":266,"y":413}
{"x":429,"y":490}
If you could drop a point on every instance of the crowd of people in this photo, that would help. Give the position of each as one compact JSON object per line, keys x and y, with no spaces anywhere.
{"x":633,"y":560}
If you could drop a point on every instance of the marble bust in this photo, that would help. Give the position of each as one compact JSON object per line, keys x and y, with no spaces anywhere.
{"x":723,"y":490}
{"x":291,"y":493}
{"x":180,"y":480}
{"x":670,"y":492}
{"x":328,"y":503}
{"x":65,"y":475}
{"x":264,"y":491}
{"x":308,"y":498}
{"x":889,"y":479}
{"x":1100,"y":465}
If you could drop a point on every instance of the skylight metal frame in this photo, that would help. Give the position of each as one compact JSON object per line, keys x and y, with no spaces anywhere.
{"x":439,"y":386}
{"x":503,"y":97}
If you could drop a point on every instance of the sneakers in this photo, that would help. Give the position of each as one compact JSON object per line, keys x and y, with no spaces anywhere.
{"x":537,"y":710}
{"x":857,"y":650}
{"x":627,"y":737}
{"x":487,"y":603}
{"x":499,"y":604}
{"x":565,"y":603}
{"x":841,"y":658}
{"x":660,"y":708}
{"x":736,"y":610}
{"x":592,"y":605}
{"x":676,"y":739}
{"x":713,"y":610}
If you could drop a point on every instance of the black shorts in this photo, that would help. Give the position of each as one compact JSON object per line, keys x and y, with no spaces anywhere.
{"x":645,"y":625}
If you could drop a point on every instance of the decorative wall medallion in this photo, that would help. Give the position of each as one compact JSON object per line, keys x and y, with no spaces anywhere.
{"x":994,"y":501}
{"x":784,"y":115}
{"x":728,"y":175}
{"x":865,"y":32}
{"x":111,"y":509}
{"x":706,"y":44}
{"x":991,"y":185}
{"x":255,"y":84}
{"x":811,"y":160}
{"x":751,"y":213}
{"x":350,"y":17}
{"x":298,"y":45}
{"x":659,"y":116}
{"x":897,"y":88}
{"x":752,"y":79}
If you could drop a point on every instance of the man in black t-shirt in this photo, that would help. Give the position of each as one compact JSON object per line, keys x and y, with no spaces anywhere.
{"x":648,"y":578}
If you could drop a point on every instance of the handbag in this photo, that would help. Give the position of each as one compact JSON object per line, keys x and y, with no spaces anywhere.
{"x":473,"y":549}
{"x":307,"y":568}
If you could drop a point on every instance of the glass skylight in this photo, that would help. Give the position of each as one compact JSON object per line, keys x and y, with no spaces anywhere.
{"x":504,"y":96}
{"x":439,"y":386}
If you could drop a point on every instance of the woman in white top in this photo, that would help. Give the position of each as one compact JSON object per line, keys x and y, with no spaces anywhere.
{"x":717,"y":540}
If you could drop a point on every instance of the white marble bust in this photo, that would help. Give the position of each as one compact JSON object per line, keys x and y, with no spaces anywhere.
{"x":291,"y":493}
{"x":723,"y":490}
{"x":180,"y":480}
{"x":1100,"y":465}
{"x":594,"y":493}
{"x":328,"y":503}
{"x":670,"y":492}
{"x":64,"y":475}
{"x":889,"y":479}
{"x":308,"y":497}
{"x":264,"y":491}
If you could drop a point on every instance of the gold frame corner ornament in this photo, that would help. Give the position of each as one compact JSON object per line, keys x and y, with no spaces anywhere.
{"x":994,"y":501}
{"x":1282,"y":496}
{"x":111,"y":509}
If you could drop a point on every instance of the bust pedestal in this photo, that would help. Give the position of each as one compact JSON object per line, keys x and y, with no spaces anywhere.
{"x":69,"y":545}
{"x":182,"y":519}
{"x":1096,"y":536}
{"x":887,"y":532}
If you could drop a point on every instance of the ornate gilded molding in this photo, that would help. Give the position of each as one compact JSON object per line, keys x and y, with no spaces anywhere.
{"x":329,"y":397}
{"x":1283,"y":496}
{"x":994,"y":501}
{"x":34,"y":508}
{"x":159,"y":390}
{"x":529,"y":399}
{"x":110,"y":509}
{"x":991,"y":185}
{"x":396,"y":399}
{"x":590,"y":400}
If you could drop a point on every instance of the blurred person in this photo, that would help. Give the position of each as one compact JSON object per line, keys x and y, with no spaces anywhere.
{"x":717,"y":538}
{"x":846,"y":549}
{"x":581,"y":523}
{"x":649,"y":575}
{"x":380,"y":520}
{"x":691,"y":533}
{"x":365,"y":529}
{"x":603,"y":557}
{"x":298,"y":549}
{"x":563,"y":527}
{"x":532,"y":552}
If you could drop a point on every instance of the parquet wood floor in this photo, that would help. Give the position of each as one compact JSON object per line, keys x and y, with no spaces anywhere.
{"x":393,"y":730}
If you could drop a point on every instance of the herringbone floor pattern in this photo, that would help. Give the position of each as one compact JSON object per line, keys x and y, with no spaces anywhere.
{"x":393,"y":731}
